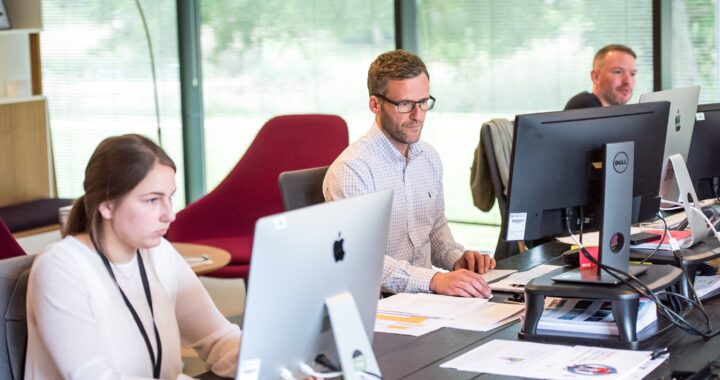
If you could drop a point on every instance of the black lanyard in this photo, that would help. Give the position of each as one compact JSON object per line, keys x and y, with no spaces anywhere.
{"x":155,"y":364}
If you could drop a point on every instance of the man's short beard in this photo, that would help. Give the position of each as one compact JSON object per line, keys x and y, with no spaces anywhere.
{"x":398,"y":134}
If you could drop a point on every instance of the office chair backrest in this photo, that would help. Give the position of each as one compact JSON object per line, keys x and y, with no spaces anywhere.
{"x":9,"y":247}
{"x":301,"y":188}
{"x":14,"y":274}
{"x":250,"y":190}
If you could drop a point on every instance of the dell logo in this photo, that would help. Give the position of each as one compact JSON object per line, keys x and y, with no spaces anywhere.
{"x":338,"y":250}
{"x":677,"y":121}
{"x":620,"y":162}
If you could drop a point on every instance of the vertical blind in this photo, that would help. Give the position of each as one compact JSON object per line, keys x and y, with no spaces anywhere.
{"x":266,"y":58}
{"x":98,"y":80}
{"x":695,"y":46}
{"x":498,"y":58}
{"x":487,"y":59}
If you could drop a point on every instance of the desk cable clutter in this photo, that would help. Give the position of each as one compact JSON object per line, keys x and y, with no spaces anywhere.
{"x":673,"y":316}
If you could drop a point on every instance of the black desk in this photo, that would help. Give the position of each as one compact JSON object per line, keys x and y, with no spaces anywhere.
{"x":407,"y":357}
{"x":692,"y":257}
{"x":419,"y":358}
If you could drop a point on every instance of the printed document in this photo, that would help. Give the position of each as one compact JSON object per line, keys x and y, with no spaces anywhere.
{"x":418,"y":314}
{"x":516,"y":282}
{"x":590,"y":316}
{"x":707,"y":286}
{"x":549,"y":361}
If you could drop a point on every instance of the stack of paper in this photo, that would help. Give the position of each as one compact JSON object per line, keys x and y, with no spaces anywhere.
{"x":516,"y":282}
{"x":417,"y":314}
{"x":680,"y":236}
{"x":550,"y":361}
{"x":707,"y":286}
{"x":589,"y":316}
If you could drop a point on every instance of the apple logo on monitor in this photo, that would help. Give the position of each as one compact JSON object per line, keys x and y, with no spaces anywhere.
{"x":338,"y":249}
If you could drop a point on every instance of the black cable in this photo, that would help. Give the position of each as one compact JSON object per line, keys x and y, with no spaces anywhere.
{"x":662,"y":239}
{"x":375,"y":375}
{"x":645,"y":291}
{"x":673,"y":316}
{"x":582,"y":223}
{"x":324,"y":361}
{"x":690,"y":284}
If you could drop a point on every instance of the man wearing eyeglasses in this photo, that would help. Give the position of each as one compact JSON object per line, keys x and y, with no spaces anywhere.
{"x":392,"y":156}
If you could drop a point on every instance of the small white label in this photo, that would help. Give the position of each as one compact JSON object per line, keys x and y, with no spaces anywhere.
{"x":516,"y":226}
{"x":249,"y":369}
{"x":700,"y":116}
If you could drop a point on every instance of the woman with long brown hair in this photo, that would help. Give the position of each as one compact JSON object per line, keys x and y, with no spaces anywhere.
{"x":114,"y":299}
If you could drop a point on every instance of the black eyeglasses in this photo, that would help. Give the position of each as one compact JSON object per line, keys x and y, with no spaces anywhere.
{"x":407,"y":106}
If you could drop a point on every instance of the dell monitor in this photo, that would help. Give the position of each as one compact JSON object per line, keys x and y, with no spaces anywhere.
{"x":313,"y":288}
{"x":702,"y":161}
{"x":556,"y":168}
{"x":553,"y":166}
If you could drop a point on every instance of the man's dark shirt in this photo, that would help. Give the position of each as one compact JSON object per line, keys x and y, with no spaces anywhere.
{"x":583,"y":100}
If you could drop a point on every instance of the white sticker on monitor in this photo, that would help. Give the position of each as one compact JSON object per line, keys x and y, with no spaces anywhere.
{"x":700,"y":116}
{"x":516,"y":226}
{"x":249,"y":369}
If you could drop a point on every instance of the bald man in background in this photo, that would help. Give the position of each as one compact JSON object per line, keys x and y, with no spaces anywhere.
{"x":613,"y":77}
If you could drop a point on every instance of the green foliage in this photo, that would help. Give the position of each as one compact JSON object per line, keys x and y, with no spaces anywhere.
{"x":704,"y":36}
{"x":244,"y":25}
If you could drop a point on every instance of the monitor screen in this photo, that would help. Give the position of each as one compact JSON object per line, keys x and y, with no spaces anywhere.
{"x":301,"y":258}
{"x":555,"y":159}
{"x":680,"y":123}
{"x":702,"y":162}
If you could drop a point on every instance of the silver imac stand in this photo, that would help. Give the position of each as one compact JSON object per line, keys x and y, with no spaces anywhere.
{"x":353,"y":346}
{"x":682,"y":189}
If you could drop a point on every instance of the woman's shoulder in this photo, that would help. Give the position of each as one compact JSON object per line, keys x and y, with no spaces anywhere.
{"x":68,"y":254}
{"x":69,"y":248}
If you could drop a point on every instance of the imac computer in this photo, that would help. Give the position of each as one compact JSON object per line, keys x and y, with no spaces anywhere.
{"x":560,"y":175}
{"x":675,"y":182}
{"x":703,"y":163}
{"x":313,"y":289}
{"x":680,"y":123}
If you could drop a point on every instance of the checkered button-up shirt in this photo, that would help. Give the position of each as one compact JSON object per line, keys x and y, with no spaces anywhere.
{"x":419,"y":236}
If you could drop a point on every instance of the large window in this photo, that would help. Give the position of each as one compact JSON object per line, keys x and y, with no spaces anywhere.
{"x":497,"y":58}
{"x":695,"y":46}
{"x":266,"y":58}
{"x":98,"y":80}
{"x":487,"y":59}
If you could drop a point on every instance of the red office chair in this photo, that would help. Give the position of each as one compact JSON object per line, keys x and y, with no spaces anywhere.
{"x":9,"y":247}
{"x":225,"y":217}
